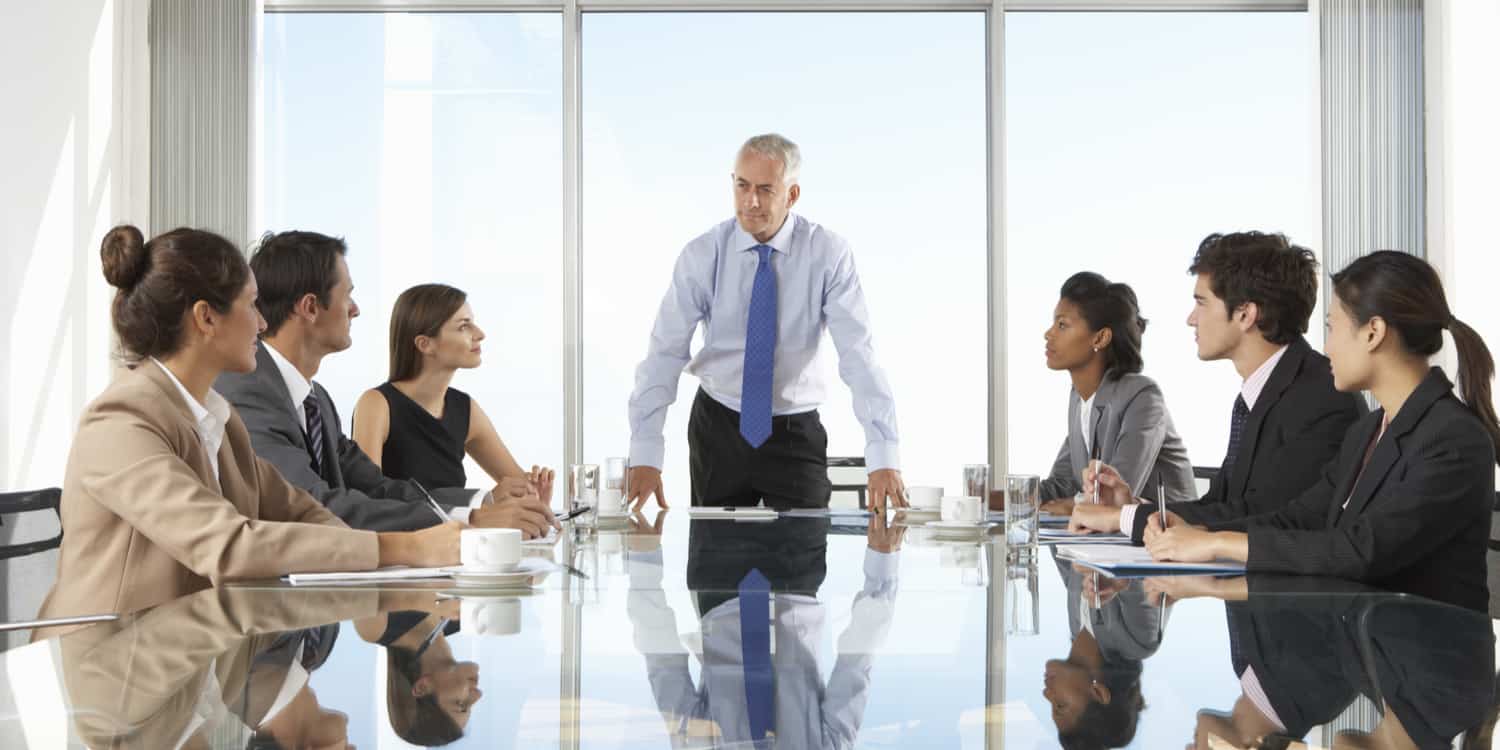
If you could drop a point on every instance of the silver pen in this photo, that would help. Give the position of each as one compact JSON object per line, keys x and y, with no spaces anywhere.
{"x":433,"y":503}
{"x":1161,"y":517}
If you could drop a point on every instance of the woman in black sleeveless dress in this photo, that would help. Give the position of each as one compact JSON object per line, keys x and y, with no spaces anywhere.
{"x":416,"y":426}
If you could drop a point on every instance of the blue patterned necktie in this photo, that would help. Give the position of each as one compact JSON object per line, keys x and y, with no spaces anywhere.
{"x":760,"y":354}
{"x":755,"y":649}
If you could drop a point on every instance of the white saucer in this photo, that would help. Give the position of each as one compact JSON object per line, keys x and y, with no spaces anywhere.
{"x":955,"y":526}
{"x":513,"y":579}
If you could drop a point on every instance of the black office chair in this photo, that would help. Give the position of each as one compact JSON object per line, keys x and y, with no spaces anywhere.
{"x":848,"y":462}
{"x":24,"y":502}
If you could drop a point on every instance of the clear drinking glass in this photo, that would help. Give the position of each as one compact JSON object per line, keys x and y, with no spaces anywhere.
{"x":1022,"y":604}
{"x":616,"y":477}
{"x":1022,"y":496}
{"x":977,"y":483}
{"x":583,"y":491}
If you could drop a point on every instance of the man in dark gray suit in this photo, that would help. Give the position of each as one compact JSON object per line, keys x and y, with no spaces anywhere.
{"x":305,"y":297}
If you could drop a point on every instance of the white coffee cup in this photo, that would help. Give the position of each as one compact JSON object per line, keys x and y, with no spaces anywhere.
{"x":611,"y":501}
{"x":489,"y":550}
{"x":926,"y":498}
{"x":962,"y":509}
{"x":490,"y":615}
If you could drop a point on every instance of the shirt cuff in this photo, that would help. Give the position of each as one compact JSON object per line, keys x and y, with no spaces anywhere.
{"x":880,"y":569}
{"x":1127,"y":518}
{"x":477,"y":499}
{"x":647,"y":452}
{"x":644,"y":569}
{"x":460,"y":514}
{"x":883,"y":454}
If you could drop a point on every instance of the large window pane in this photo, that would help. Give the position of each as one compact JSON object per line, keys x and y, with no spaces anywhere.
{"x":889,"y":110}
{"x":432,"y":143}
{"x":1130,"y":137}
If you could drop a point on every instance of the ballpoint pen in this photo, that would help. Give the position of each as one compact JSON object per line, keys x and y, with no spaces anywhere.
{"x":1161,"y":517}
{"x":433,"y":503}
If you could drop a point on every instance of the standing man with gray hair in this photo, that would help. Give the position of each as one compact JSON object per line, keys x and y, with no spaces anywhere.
{"x":765,"y":285}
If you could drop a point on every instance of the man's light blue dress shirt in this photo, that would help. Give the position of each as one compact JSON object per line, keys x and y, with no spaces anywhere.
{"x":817,"y":289}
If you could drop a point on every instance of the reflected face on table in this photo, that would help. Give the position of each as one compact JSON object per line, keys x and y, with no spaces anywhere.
{"x":453,"y":685}
{"x":1215,"y":330}
{"x":306,"y":724}
{"x":1070,"y":689}
{"x":1070,"y":343}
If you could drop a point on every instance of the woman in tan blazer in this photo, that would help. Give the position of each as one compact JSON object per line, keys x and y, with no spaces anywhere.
{"x":163,"y":495}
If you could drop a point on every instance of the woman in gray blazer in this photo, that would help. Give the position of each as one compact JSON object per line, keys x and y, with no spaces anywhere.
{"x":1115,"y":413}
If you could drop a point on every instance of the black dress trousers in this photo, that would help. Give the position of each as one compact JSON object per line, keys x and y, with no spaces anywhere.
{"x":789,"y":470}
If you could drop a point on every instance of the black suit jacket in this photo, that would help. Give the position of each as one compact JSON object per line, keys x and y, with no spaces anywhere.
{"x":349,"y":483}
{"x":1295,"y":428}
{"x":1418,"y":518}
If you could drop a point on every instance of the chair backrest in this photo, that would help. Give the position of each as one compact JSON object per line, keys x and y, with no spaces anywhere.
{"x":29,"y":538}
{"x":848,"y":475}
{"x":12,"y":503}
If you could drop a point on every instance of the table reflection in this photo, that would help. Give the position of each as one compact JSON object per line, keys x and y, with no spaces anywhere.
{"x":790,"y":556}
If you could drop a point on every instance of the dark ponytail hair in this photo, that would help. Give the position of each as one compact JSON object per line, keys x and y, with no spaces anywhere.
{"x":158,"y":281}
{"x":1113,"y":306}
{"x":1405,"y":292}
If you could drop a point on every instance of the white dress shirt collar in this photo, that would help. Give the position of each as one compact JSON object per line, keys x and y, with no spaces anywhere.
{"x":210,"y":417}
{"x":1256,"y":383}
{"x":296,"y":385}
{"x":782,"y":242}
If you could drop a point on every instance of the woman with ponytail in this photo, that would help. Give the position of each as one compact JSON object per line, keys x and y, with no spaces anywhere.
{"x":163,"y":495}
{"x":1406,"y":504}
{"x":1115,"y":413}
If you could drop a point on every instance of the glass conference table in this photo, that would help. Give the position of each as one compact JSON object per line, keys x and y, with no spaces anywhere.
{"x":657,"y":634}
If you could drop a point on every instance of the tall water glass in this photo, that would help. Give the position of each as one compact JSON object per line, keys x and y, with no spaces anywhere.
{"x":1022,"y":496}
{"x":583,"y":491}
{"x":1022,"y":604}
{"x":616,"y":476}
{"x":977,"y":483}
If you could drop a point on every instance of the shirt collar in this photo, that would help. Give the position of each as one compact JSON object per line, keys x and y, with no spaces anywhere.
{"x":1256,"y":383}
{"x":212,"y":415}
{"x":296,"y":385}
{"x":782,"y":242}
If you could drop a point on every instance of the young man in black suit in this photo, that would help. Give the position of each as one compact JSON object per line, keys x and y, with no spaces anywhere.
{"x":1252,"y":299}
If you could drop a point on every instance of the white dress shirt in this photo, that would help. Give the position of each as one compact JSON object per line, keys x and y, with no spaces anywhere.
{"x":1085,"y":415}
{"x":817,"y":289}
{"x":1253,"y":385}
{"x":1249,"y":390}
{"x":211,"y":417}
{"x":296,"y":384}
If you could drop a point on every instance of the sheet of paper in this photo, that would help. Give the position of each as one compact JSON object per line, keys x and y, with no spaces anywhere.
{"x":1119,"y":557}
{"x":392,"y":573}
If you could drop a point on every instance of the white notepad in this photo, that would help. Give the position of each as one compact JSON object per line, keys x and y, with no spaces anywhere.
{"x":733,"y":514}
{"x":1118,"y":558}
{"x":391,"y":573}
{"x":529,"y":564}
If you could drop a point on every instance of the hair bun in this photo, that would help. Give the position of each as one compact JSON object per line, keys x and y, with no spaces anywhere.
{"x":125,"y":258}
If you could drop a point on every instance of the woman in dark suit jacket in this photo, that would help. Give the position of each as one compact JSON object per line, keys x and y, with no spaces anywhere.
{"x":1115,"y":414}
{"x":1406,"y":504}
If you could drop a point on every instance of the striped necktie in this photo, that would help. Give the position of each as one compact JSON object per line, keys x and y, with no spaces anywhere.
{"x":314,"y":430}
